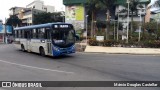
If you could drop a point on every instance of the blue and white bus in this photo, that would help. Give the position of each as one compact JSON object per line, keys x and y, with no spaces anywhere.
{"x":53,"y":39}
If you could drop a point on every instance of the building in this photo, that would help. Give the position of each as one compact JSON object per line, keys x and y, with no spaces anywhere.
{"x":39,"y":5}
{"x":148,"y":15}
{"x":1,"y":22}
{"x":154,"y":9}
{"x":5,"y":30}
{"x":27,"y":14}
{"x":1,"y":32}
{"x":15,"y":10}
{"x":75,"y":11}
{"x":119,"y":11}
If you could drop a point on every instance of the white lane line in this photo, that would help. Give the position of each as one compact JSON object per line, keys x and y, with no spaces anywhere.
{"x":36,"y":67}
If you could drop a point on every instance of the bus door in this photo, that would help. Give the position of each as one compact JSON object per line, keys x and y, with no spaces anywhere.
{"x":28,"y":42}
{"x":49,"y":41}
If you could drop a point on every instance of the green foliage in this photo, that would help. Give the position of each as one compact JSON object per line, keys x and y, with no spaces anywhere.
{"x":151,"y":26}
{"x":101,"y":24}
{"x":94,"y":5}
{"x":133,"y":5}
{"x":14,"y":21}
{"x":93,"y":42}
{"x":152,"y":43}
{"x":135,"y":25}
{"x":42,"y":18}
{"x":107,"y":43}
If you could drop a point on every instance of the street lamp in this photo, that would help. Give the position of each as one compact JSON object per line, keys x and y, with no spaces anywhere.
{"x":86,"y":27}
{"x":128,"y":1}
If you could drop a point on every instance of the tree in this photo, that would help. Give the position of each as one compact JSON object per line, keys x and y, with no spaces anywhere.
{"x":108,"y":6}
{"x":13,"y":20}
{"x":93,"y":6}
{"x":133,"y":9}
{"x":42,"y":18}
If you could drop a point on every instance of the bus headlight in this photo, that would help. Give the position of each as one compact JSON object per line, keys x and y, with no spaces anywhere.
{"x":55,"y":48}
{"x":73,"y":47}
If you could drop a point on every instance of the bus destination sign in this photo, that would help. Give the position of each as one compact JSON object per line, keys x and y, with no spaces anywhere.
{"x":61,"y":26}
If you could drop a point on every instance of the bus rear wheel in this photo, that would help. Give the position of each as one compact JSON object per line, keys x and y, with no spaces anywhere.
{"x":41,"y":51}
{"x":22,"y":48}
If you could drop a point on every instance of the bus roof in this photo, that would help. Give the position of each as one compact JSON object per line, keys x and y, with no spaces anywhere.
{"x":39,"y":26}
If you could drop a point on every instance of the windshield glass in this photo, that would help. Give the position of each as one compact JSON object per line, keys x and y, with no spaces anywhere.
{"x":63,"y":38}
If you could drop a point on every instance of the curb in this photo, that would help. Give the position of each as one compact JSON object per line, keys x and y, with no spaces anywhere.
{"x":123,"y":53}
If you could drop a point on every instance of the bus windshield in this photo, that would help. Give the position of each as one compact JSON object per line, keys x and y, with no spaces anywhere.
{"x":63,"y":37}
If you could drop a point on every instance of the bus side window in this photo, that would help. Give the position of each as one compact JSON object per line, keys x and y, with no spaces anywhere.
{"x":19,"y":33}
{"x":34,"y":34}
{"x":37,"y":33}
{"x":16,"y":33}
{"x":22,"y":33}
{"x":25,"y":34}
{"x":48,"y":33}
{"x":41,"y":33}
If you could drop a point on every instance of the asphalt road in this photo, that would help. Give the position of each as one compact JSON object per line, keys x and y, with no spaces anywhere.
{"x":16,"y":65}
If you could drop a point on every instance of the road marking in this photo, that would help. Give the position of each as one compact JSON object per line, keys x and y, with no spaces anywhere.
{"x":36,"y":67}
{"x":2,"y":89}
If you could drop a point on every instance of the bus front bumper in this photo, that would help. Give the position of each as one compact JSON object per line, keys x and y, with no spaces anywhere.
{"x":63,"y":51}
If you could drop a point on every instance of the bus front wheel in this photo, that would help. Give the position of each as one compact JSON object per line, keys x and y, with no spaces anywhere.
{"x":42,"y":52}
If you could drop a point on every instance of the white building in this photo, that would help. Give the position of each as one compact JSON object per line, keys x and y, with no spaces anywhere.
{"x":123,"y":15}
{"x":154,"y":8}
{"x":50,"y":9}
{"x":27,"y":15}
{"x":15,"y":10}
{"x":39,"y":5}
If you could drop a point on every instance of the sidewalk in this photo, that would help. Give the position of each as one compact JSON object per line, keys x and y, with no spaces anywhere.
{"x":123,"y":50}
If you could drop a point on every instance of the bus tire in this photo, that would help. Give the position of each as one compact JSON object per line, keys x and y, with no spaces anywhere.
{"x":41,"y":51}
{"x":22,"y":48}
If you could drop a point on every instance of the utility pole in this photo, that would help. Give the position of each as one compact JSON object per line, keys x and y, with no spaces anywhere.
{"x":118,"y":27}
{"x":86,"y":27}
{"x":140,"y":26}
{"x":114,"y":29}
{"x":106,"y":25}
{"x":128,"y":20}
{"x":5,"y":32}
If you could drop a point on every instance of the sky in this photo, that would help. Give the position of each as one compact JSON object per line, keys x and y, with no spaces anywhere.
{"x":5,"y":5}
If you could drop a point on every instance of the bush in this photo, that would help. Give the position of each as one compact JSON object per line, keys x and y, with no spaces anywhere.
{"x":93,"y":42}
{"x":109,"y":42}
{"x":152,"y":43}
